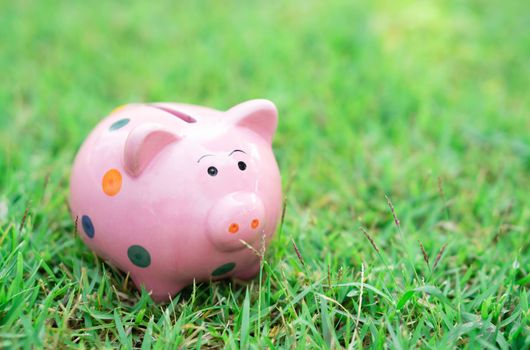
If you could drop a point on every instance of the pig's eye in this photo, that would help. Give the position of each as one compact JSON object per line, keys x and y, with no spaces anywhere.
{"x":212,"y":171}
{"x":242,"y":166}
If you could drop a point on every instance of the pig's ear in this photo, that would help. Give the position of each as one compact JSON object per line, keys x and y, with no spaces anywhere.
{"x":143,"y":144}
{"x":259,"y":116}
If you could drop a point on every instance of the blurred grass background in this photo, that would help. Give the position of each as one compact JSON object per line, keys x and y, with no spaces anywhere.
{"x":425,"y":102}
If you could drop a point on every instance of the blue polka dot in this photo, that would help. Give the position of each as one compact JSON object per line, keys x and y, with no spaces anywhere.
{"x":88,"y":227}
{"x":119,"y":124}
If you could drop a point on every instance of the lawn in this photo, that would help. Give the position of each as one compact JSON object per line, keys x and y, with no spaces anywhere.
{"x":404,"y":146}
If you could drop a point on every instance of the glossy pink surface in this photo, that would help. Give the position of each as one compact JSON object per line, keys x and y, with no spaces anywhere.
{"x":168,"y":191}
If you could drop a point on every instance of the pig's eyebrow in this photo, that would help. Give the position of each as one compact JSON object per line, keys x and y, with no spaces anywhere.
{"x":236,"y":150}
{"x":206,"y":155}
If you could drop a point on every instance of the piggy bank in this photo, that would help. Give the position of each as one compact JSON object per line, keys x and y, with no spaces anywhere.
{"x":173,"y":193}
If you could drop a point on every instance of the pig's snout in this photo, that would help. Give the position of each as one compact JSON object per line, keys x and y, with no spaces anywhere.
{"x":234,"y":218}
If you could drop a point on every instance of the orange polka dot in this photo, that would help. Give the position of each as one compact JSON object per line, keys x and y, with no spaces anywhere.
{"x":233,"y":228}
{"x":117,"y":109}
{"x":254,"y":223}
{"x":111,"y":182}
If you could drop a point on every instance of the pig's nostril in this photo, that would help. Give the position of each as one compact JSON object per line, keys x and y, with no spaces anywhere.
{"x":233,"y":228}
{"x":254,"y":223}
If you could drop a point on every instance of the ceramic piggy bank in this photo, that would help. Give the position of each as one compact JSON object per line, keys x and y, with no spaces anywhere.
{"x":173,"y":193}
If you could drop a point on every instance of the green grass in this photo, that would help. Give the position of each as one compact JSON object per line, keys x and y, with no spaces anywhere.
{"x":425,"y":102}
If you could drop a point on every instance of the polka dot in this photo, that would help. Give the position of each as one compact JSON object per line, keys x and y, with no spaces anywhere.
{"x":111,"y":182}
{"x":233,"y":228}
{"x":254,"y":223}
{"x":139,"y":256}
{"x":119,"y":124}
{"x":117,"y":109}
{"x":221,"y":270}
{"x":88,"y":227}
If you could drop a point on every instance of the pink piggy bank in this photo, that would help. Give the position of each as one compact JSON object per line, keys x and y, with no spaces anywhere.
{"x":173,"y":193}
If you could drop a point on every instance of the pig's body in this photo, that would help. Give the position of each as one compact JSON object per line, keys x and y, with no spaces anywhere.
{"x":147,"y":199}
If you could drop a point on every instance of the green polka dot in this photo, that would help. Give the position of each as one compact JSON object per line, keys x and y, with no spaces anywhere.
{"x":221,"y":270}
{"x":119,"y":124}
{"x":139,"y":256}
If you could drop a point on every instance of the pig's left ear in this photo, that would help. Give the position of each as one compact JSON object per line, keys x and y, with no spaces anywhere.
{"x":259,"y":116}
{"x":143,"y":144}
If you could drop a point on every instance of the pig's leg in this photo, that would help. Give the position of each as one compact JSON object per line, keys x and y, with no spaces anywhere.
{"x":248,"y":273}
{"x":161,"y":297}
{"x":160,"y":290}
